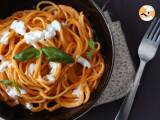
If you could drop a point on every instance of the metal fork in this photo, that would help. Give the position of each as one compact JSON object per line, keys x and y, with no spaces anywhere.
{"x":146,"y":52}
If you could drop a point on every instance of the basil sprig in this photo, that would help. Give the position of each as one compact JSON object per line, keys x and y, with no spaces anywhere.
{"x":91,"y":46}
{"x":90,"y":54}
{"x":16,"y":86}
{"x":51,"y":53}
{"x":56,"y":55}
{"x":8,"y":82}
{"x":27,"y":54}
{"x":5,"y":82}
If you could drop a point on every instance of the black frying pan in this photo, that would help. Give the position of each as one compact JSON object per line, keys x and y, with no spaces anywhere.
{"x":102,"y":34}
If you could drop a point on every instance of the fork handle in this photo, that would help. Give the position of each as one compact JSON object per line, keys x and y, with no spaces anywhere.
{"x":126,"y":106}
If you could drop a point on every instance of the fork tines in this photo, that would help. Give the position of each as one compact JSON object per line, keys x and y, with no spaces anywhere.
{"x":153,"y":32}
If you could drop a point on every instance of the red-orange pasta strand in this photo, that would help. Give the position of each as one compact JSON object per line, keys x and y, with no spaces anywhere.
{"x":73,"y":39}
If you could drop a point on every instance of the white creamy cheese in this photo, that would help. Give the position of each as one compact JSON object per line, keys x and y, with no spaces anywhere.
{"x":49,"y":35}
{"x":33,"y":37}
{"x":31,"y":69}
{"x":12,"y":92}
{"x":54,"y":66}
{"x":4,"y":38}
{"x":18,"y":26}
{"x":77,"y":92}
{"x":83,"y":61}
{"x":51,"y":77}
{"x":51,"y":29}
{"x":23,"y":91}
{"x":4,"y":65}
{"x":56,"y":25}
{"x":49,"y":32}
{"x":29,"y":106}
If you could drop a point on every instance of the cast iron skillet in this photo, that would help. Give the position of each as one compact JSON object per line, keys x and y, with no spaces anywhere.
{"x":102,"y":34}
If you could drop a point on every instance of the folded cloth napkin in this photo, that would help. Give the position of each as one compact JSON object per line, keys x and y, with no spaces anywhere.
{"x":123,"y":70}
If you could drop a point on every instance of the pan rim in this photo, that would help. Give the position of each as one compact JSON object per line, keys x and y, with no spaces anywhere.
{"x":113,"y":59}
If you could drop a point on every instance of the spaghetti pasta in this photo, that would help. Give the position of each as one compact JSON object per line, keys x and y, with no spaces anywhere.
{"x":48,"y":58}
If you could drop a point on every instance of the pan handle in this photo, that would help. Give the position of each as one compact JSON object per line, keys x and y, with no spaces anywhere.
{"x":104,"y":10}
{"x":104,"y":7}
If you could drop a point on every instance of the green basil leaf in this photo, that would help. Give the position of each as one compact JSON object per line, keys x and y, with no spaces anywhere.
{"x":5,"y":82}
{"x":8,"y":82}
{"x":27,"y":54}
{"x":91,"y":44}
{"x":56,"y":55}
{"x":90,"y":54}
{"x":17,"y":87}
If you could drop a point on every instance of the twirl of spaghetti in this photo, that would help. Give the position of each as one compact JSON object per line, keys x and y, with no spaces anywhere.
{"x":74,"y":83}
